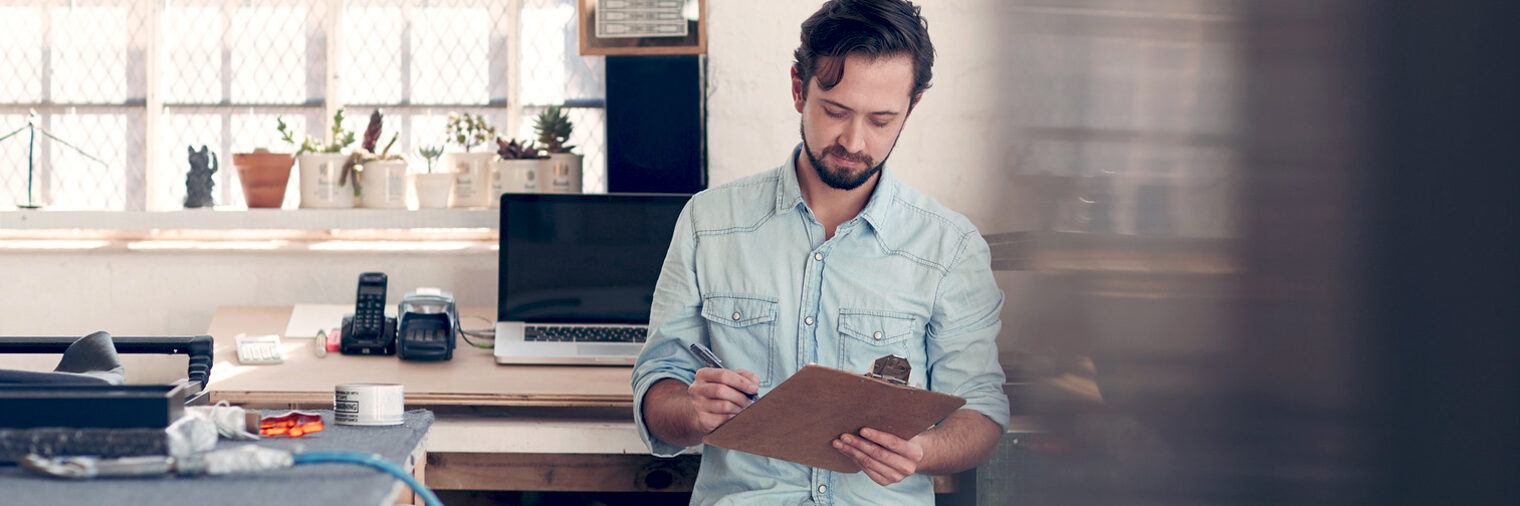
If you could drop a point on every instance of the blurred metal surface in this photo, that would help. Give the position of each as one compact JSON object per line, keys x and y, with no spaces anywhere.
{"x":1266,"y":256}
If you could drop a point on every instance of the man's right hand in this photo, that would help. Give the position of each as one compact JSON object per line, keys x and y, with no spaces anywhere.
{"x":719,"y":394}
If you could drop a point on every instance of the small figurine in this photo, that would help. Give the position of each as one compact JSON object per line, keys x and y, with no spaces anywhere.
{"x":198,"y":182}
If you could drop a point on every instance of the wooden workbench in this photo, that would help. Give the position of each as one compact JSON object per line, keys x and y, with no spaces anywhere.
{"x":499,"y":427}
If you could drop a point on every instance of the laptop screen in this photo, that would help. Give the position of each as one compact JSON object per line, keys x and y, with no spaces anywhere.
{"x":569,"y":258}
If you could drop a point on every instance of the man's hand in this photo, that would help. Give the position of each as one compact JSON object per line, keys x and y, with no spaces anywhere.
{"x":886,"y":458}
{"x":719,"y":394}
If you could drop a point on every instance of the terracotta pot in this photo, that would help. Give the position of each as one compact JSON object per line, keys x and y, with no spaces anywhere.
{"x":264,"y":176}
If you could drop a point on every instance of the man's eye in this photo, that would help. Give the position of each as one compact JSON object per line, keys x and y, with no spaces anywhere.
{"x":881,"y":124}
{"x":834,"y":114}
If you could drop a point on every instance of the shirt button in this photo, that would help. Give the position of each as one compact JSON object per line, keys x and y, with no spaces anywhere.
{"x":808,"y":320}
{"x":876,"y":336}
{"x":823,"y":489}
{"x":736,"y":317}
{"x":818,"y":257}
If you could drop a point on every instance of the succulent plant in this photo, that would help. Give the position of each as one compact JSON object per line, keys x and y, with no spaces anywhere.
{"x":553,"y":127}
{"x":468,"y":130}
{"x":372,"y":133}
{"x":431,"y":154}
{"x":515,"y":150}
{"x":340,"y":138}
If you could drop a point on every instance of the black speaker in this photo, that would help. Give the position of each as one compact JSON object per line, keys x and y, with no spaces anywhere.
{"x":655,"y":129}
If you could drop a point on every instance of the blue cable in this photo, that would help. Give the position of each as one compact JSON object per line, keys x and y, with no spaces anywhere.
{"x":374,"y":461}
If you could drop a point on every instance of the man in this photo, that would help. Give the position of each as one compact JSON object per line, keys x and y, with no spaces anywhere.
{"x":828,"y":259}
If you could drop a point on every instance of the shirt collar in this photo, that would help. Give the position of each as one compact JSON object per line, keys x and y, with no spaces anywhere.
{"x":789,"y":192}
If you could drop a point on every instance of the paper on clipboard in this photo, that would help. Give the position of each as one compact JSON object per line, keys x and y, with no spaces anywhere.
{"x":799,"y":419}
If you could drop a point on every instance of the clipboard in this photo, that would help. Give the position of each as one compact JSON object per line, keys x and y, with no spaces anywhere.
{"x":799,"y":419}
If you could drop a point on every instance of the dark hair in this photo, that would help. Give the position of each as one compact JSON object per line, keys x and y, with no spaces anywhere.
{"x":873,"y":28}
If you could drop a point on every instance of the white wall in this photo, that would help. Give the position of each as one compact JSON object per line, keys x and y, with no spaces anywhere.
{"x":949,"y":149}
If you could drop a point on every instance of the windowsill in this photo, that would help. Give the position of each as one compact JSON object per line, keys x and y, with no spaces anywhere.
{"x":252,"y":219}
{"x":427,"y":231}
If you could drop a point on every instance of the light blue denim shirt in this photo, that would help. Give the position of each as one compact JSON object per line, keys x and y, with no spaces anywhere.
{"x":750,"y":275}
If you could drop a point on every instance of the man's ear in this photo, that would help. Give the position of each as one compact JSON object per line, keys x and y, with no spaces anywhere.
{"x":913,"y":103}
{"x":798,"y":90}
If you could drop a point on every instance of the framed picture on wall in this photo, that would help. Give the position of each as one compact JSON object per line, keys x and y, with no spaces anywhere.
{"x":632,"y":27}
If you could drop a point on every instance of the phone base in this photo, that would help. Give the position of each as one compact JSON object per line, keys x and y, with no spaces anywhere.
{"x":383,"y":344}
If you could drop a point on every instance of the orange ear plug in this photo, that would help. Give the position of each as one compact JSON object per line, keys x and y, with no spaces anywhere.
{"x":292,"y":424}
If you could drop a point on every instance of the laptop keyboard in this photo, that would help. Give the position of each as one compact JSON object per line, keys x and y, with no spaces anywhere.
{"x":584,"y":334}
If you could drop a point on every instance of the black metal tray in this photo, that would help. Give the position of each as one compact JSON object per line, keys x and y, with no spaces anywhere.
{"x":92,"y":406}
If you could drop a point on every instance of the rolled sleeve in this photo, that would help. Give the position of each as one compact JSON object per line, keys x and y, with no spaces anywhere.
{"x":674,"y":319}
{"x":963,"y":357}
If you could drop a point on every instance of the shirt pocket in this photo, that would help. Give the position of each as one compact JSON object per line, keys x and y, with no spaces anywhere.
{"x":742,"y":328}
{"x":869,"y":334}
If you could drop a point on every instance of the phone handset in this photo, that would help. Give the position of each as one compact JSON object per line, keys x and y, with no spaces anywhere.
{"x":368,"y":331}
{"x":369,"y":306}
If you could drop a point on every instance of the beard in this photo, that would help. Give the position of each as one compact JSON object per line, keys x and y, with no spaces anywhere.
{"x":840,"y":178}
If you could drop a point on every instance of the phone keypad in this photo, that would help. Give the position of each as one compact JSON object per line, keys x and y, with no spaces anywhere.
{"x":369,"y":315}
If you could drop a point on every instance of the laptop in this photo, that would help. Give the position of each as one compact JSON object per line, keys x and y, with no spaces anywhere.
{"x":576,"y":275}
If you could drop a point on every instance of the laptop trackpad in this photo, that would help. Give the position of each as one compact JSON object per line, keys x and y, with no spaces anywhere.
{"x":608,"y":349}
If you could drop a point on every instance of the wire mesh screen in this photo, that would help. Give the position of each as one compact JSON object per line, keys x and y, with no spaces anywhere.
{"x":222,"y":72}
{"x":553,"y":72}
{"x":82,"y":67}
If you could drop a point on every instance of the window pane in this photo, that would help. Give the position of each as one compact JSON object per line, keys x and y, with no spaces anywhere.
{"x":21,"y":54}
{"x":13,"y":178}
{"x":89,"y":49}
{"x":453,"y":46}
{"x":552,"y":68}
{"x":373,"y":60}
{"x":279,"y":53}
{"x":77,"y":182}
{"x":192,"y":60}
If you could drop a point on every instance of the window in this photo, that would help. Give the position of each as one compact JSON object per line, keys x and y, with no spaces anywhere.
{"x":135,"y":83}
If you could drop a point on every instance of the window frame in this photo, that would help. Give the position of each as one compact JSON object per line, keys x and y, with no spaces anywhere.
{"x":156,"y":181}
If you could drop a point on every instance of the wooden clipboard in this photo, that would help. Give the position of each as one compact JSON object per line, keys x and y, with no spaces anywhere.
{"x":799,"y":419}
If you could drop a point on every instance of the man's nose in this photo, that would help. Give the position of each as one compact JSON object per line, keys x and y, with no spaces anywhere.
{"x":853,"y":138}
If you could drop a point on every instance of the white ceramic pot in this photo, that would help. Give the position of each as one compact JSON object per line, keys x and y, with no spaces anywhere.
{"x":431,"y":191}
{"x":563,"y":174}
{"x":322,"y":182}
{"x":383,"y":184}
{"x":519,"y":176}
{"x":472,"y":178}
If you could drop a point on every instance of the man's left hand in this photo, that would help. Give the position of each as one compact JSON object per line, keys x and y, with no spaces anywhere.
{"x":886,"y":458}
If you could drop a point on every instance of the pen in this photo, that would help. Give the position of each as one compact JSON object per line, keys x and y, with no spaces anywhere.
{"x":711,"y":359}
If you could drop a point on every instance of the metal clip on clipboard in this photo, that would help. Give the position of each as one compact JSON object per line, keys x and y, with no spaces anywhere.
{"x":891,"y":369}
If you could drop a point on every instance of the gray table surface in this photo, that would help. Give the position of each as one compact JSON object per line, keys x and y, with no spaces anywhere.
{"x":326,"y":484}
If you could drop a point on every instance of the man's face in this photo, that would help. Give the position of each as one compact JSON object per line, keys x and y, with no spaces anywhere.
{"x":849,"y":131}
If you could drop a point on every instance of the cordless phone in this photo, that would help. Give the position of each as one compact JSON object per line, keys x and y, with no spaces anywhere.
{"x":368,"y":331}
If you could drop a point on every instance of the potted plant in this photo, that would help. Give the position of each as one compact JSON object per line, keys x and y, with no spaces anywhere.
{"x":472,"y":170}
{"x":432,"y":188}
{"x":517,"y":170}
{"x":263,"y":176}
{"x":564,"y":167}
{"x":382,"y":176}
{"x":327,"y":179}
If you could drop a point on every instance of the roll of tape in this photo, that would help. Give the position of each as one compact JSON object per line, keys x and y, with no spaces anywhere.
{"x":368,"y":404}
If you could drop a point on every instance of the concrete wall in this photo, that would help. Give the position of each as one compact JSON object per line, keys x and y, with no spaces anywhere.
{"x":161,"y":293}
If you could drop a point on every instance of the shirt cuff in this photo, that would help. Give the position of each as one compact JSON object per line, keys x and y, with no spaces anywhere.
{"x":657,"y":447}
{"x":994,"y":407}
